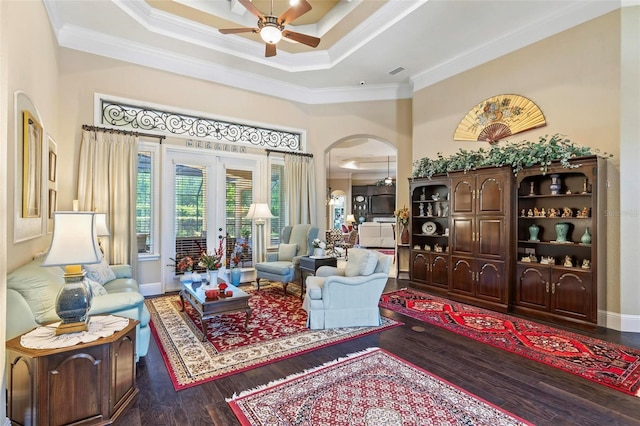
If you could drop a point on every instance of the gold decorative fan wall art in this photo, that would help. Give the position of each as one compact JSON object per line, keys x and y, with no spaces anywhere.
{"x":498,"y":117}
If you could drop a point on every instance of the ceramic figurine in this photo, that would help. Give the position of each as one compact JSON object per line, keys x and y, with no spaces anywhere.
{"x":568,"y":262}
{"x":553,"y":212}
{"x":530,"y":213}
{"x":566,"y":212}
{"x":536,"y":212}
{"x":435,"y":197}
{"x":543,"y":212}
{"x":437,"y":248}
{"x":421,"y":209}
{"x":522,"y":213}
{"x":429,"y":209}
{"x":586,"y":264}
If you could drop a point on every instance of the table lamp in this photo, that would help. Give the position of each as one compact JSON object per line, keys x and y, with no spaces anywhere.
{"x":101,"y":228}
{"x":259,"y":212}
{"x":351,"y":219}
{"x":74,"y":243}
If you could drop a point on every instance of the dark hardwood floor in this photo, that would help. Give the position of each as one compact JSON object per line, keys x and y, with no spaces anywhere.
{"x":540,"y":394}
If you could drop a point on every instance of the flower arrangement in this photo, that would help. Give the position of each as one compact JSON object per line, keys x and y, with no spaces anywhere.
{"x":402,"y":215}
{"x":185,"y":264}
{"x":213,"y":261}
{"x":318,"y":243}
{"x":237,"y":255}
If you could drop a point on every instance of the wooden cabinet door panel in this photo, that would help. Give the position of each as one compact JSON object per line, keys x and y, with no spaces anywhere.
{"x":489,"y":280}
{"x":571,"y":294}
{"x":462,"y":276}
{"x":492,"y":237}
{"x":491,"y":195}
{"x":439,"y":270}
{"x":532,"y":287}
{"x":462,"y":195}
{"x":462,"y":237}
{"x":419,"y":267}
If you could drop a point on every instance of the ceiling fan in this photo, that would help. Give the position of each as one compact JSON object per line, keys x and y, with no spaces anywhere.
{"x":271,"y":28}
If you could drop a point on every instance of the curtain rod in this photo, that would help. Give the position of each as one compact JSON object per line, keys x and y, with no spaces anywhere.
{"x":126,"y":132}
{"x":302,"y":154}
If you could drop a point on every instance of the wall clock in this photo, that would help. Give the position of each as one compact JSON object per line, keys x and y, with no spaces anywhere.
{"x":359,"y":198}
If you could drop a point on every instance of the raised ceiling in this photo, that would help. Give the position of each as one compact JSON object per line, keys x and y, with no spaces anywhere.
{"x":362,"y":41}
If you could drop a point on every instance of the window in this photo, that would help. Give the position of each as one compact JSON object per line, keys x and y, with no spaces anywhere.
{"x":146,"y":198}
{"x":278,"y":206}
{"x":190,"y":211}
{"x":239,"y":188}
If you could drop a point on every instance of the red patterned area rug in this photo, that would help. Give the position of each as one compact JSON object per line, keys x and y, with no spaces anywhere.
{"x":277,"y":330}
{"x":373,"y":387}
{"x":609,"y":364}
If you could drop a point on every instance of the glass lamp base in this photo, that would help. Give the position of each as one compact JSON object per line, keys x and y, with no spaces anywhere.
{"x":73,"y":303}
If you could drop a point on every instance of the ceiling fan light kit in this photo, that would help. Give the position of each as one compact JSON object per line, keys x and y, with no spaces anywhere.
{"x":271,"y":28}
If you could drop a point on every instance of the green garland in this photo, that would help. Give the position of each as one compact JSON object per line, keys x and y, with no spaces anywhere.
{"x":517,"y":155}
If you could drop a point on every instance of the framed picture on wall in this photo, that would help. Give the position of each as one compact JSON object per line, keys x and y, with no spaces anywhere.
{"x":53,"y":195}
{"x":32,"y":166}
{"x":52,"y":166}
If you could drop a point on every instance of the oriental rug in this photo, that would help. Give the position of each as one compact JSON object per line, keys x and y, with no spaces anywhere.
{"x":276,"y":330}
{"x":609,"y":364}
{"x":373,"y":387}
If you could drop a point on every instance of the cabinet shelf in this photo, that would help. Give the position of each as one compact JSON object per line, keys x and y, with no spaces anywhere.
{"x":553,"y":218}
{"x":530,"y":197}
{"x":432,"y":235}
{"x":551,"y":243}
{"x":558,"y":267}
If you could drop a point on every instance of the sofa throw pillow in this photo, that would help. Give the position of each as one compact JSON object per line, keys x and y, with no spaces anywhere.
{"x":100,"y":272}
{"x":361,"y":262}
{"x":287,"y":251}
{"x":96,"y":288}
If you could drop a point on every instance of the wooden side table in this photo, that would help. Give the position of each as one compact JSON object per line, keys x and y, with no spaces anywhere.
{"x":403,"y":252}
{"x":90,"y":383}
{"x":309,"y":265}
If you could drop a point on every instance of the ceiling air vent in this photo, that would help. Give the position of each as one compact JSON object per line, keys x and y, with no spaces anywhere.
{"x":396,"y":71}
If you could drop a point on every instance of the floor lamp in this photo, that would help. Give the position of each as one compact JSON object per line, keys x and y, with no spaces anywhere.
{"x":259,"y":212}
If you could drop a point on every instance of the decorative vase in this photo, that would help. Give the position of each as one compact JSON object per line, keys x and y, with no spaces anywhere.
{"x":196,"y":277}
{"x":404,"y":237}
{"x":533,"y":232}
{"x":586,"y":237}
{"x":213,"y":276}
{"x":186,"y":276}
{"x":555,"y":184}
{"x":235,"y":276}
{"x":318,"y":251}
{"x":562,"y":229}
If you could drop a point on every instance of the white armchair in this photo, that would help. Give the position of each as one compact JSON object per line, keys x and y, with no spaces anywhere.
{"x":349,"y":296}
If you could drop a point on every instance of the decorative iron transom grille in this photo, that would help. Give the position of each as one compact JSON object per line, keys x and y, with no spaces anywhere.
{"x":140,"y":118}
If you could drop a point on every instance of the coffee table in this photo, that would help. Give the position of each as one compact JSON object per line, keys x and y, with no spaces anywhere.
{"x":208,"y":308}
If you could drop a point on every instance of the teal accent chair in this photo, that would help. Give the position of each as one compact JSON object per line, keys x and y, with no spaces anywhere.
{"x":283,"y":266}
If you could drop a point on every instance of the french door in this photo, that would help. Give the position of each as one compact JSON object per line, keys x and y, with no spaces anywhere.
{"x":205,"y":197}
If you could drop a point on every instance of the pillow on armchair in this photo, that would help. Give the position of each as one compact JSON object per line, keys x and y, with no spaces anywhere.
{"x":361,"y":262}
{"x":287,"y":251}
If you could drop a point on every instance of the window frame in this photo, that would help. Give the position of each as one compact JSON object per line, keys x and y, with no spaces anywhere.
{"x":152,"y":146}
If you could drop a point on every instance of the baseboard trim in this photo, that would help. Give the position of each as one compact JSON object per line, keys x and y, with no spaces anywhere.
{"x":151,"y":289}
{"x":619,"y":322}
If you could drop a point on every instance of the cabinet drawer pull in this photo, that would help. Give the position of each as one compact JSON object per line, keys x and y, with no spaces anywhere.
{"x":553,"y":288}
{"x":547,"y":286}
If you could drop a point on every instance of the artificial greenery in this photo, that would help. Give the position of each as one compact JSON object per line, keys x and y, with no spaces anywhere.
{"x":517,"y":155}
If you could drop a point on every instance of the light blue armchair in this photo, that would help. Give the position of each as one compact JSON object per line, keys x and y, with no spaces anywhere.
{"x":282,"y":266}
{"x":349,"y":296}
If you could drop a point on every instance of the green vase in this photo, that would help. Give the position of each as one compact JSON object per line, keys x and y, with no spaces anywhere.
{"x":586,"y":237}
{"x":562,"y":229}
{"x":533,"y":232}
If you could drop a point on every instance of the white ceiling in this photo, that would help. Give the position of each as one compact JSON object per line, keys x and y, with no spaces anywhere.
{"x":362,"y":41}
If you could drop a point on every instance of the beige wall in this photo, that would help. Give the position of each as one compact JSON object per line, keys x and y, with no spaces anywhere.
{"x":574,"y":77}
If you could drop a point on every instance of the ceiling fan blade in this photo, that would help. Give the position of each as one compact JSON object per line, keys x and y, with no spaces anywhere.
{"x":238,"y":30}
{"x":301,"y":38}
{"x":294,"y":12}
{"x":251,"y":8}
{"x":270,"y":50}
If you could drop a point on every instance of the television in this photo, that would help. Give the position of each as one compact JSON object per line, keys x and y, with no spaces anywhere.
{"x":383,"y":204}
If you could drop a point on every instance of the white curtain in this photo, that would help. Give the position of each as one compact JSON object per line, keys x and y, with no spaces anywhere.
{"x":107,"y":177}
{"x":300,"y":187}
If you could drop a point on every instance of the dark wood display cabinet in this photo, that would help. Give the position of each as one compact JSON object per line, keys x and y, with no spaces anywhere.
{"x":560,"y":249}
{"x":481,"y":237}
{"x":430,"y":224}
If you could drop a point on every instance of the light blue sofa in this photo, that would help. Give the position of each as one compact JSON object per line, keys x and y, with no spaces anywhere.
{"x":349,"y":296}
{"x":32,"y":291}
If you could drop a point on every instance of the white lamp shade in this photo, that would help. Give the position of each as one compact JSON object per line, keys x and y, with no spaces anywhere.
{"x":101,"y":225}
{"x":74,"y":240}
{"x":259,"y":211}
{"x":350,"y":218}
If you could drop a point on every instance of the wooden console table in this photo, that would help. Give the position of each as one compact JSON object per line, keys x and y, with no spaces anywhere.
{"x":309,"y":265}
{"x":86,"y":384}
